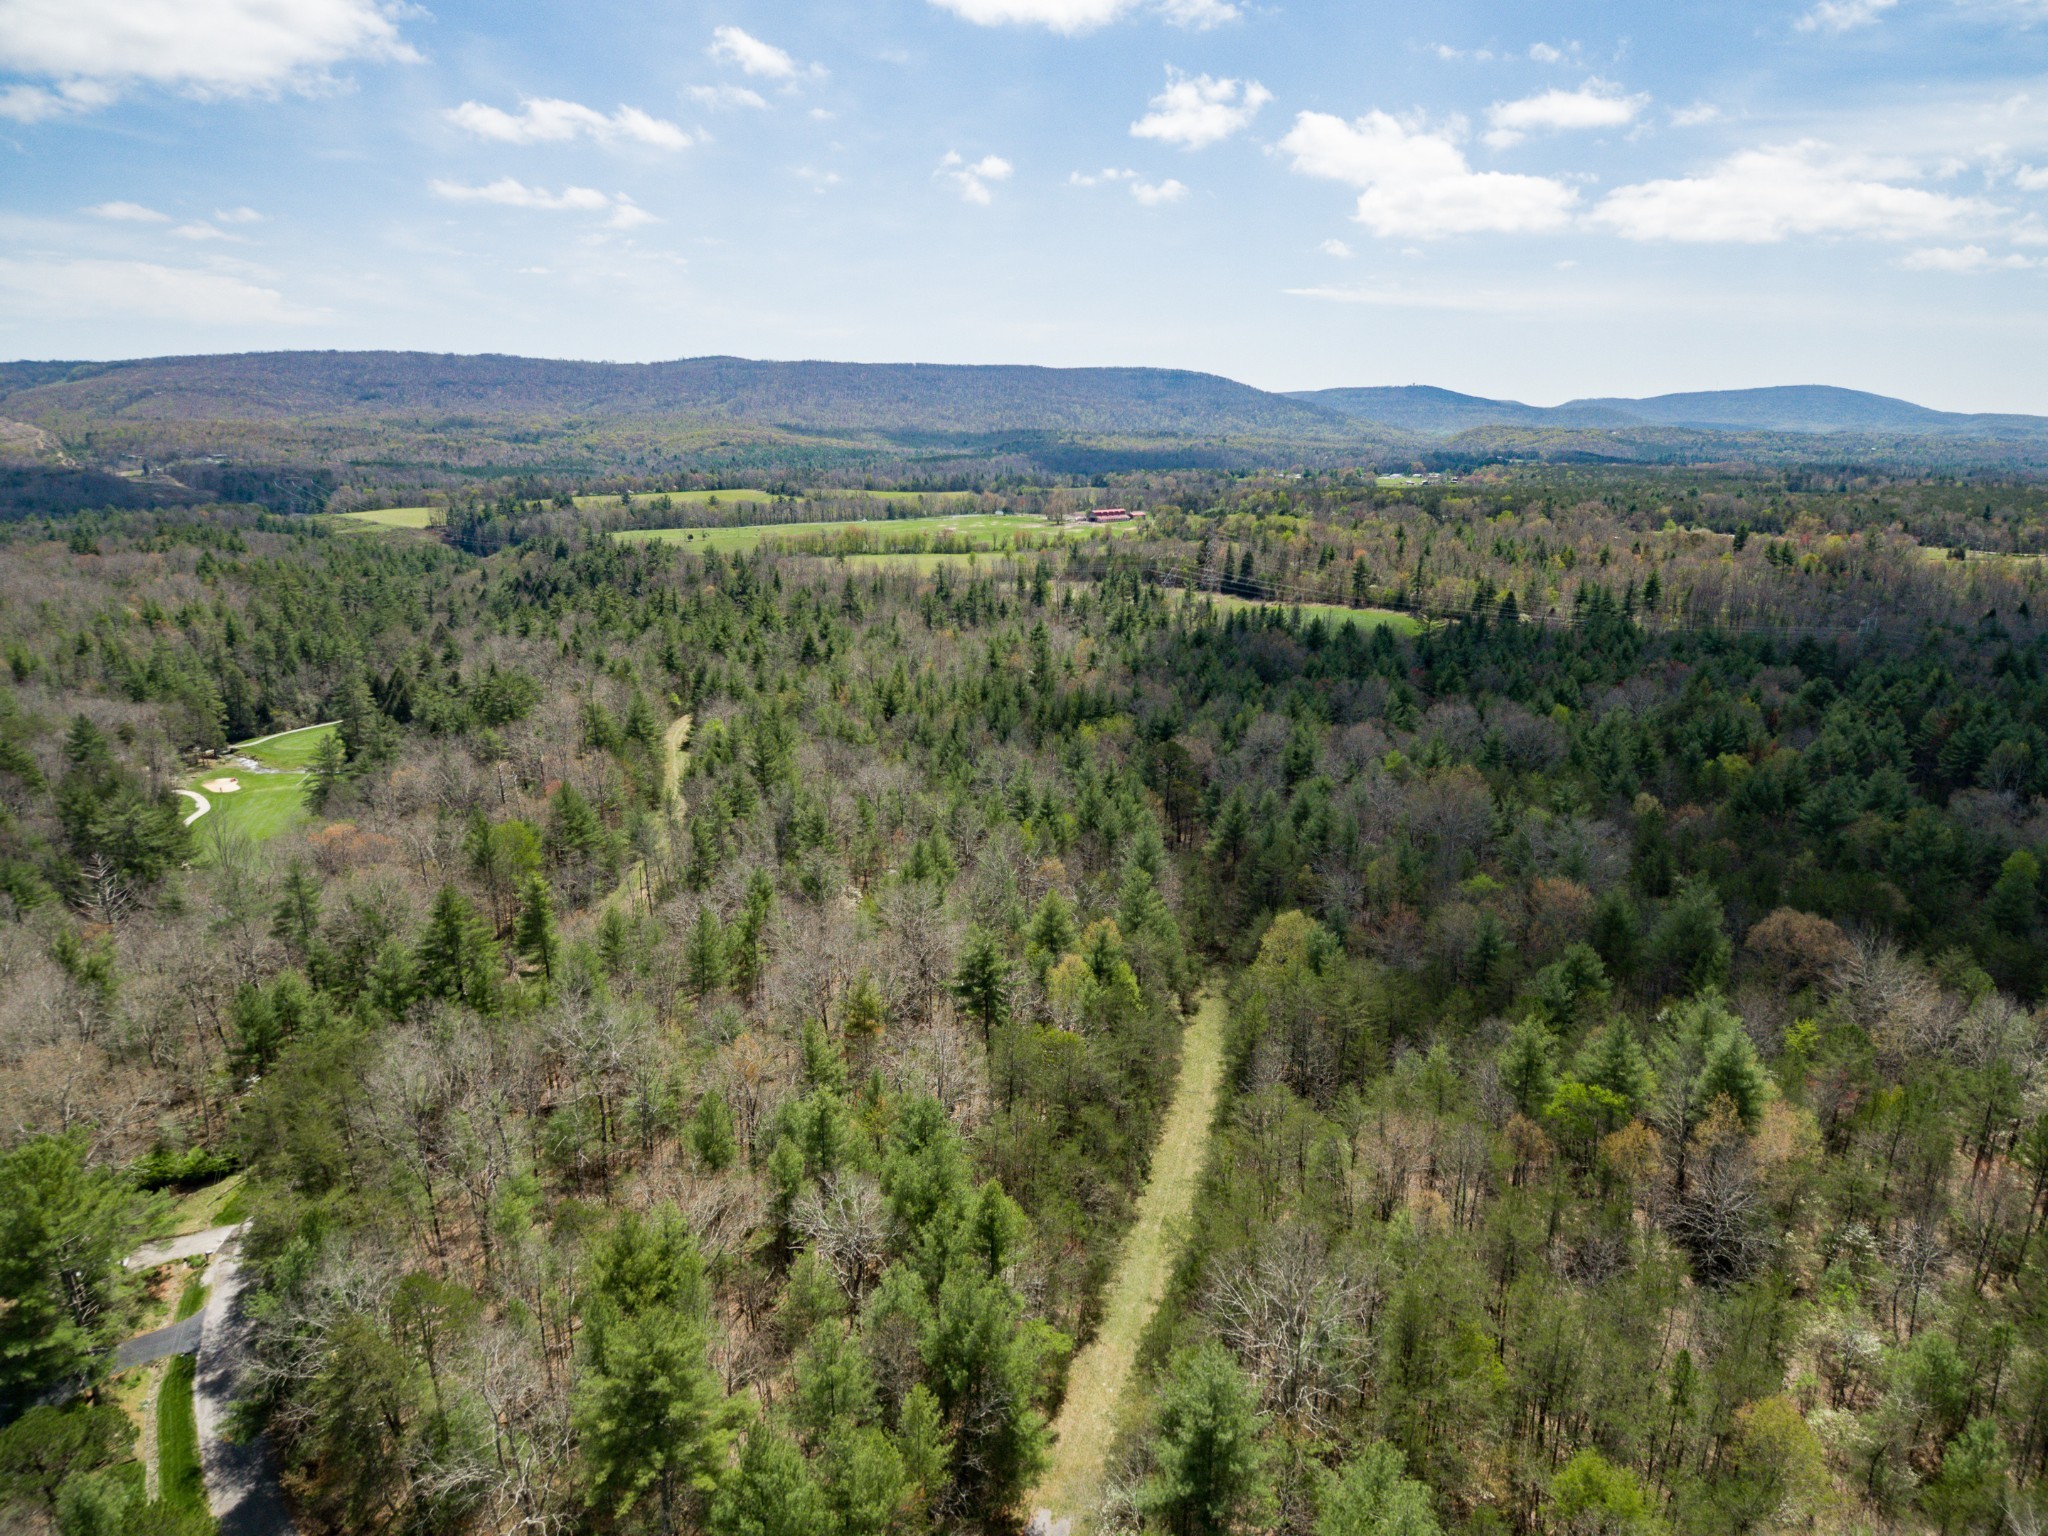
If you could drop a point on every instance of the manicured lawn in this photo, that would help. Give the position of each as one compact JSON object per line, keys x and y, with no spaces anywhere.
{"x":396,"y":517}
{"x":267,"y":803}
{"x":180,"y":1481}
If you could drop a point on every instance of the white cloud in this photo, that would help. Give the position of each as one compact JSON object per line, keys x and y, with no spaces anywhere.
{"x":34,"y":104}
{"x":1842,"y":15}
{"x":550,"y":120}
{"x":1700,"y":112}
{"x":1336,"y":248}
{"x":94,"y":290}
{"x":1543,"y":53}
{"x":1197,"y":110}
{"x":89,"y":49}
{"x":1199,"y":14}
{"x":720,"y":98}
{"x":129,"y":213}
{"x":1151,"y":195}
{"x":973,"y":179}
{"x":1416,"y":182}
{"x":2031,"y":178}
{"x":1067,"y":16}
{"x":509,"y":192}
{"x":763,"y":60}
{"x":1596,"y":104}
{"x":1766,"y":195}
{"x":199,"y":229}
{"x":242,"y":215}
{"x":1964,"y":258}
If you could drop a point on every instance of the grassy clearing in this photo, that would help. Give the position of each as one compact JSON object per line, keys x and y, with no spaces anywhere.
{"x":1329,"y":613}
{"x":267,"y":804}
{"x":1097,"y":1385}
{"x":180,"y":1480}
{"x":395,"y":517}
{"x":988,"y":533}
{"x":207,"y":1206}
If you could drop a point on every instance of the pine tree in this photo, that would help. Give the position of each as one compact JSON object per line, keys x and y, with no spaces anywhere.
{"x":456,"y":956}
{"x":982,"y":983}
{"x":772,"y":1492}
{"x":1372,"y":1497}
{"x":295,"y":921}
{"x":711,"y":1132}
{"x":705,"y":954}
{"x":533,"y":934}
{"x":1616,"y":1063}
{"x":1209,"y":1472}
{"x":328,"y":773}
{"x":1528,"y":1066}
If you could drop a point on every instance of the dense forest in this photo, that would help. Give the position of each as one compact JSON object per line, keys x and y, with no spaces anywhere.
{"x":692,"y":1045}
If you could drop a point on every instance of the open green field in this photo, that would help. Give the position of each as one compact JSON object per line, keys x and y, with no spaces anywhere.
{"x":395,"y":517}
{"x":988,"y":533}
{"x":267,"y":803}
{"x":1329,"y":613}
{"x":747,"y":495}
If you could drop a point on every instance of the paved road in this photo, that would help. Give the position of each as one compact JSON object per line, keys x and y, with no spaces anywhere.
{"x":180,"y":1338}
{"x":149,"y":1255}
{"x":241,"y":1480}
{"x":197,"y":799}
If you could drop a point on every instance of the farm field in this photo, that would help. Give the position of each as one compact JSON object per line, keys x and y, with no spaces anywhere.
{"x":1330,"y":613}
{"x":999,"y":532}
{"x":267,"y":803}
{"x":393,"y":517}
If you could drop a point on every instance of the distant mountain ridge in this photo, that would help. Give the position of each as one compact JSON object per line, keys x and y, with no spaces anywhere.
{"x":808,"y":396}
{"x":1800,"y":408}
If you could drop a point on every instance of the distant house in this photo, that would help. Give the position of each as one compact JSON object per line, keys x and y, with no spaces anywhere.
{"x":1115,"y":514}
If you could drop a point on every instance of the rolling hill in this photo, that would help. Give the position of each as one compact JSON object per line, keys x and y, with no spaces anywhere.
{"x":1796,"y":408}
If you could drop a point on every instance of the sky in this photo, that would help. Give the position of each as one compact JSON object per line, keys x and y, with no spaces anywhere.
{"x":1542,"y":200}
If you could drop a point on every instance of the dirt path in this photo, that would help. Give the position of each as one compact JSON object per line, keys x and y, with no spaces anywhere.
{"x":633,"y":885}
{"x":1102,"y":1371}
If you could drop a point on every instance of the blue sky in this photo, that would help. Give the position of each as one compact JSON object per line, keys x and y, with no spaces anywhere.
{"x":1542,"y":199}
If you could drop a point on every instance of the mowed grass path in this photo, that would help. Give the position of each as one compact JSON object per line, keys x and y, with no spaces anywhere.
{"x":267,"y":803}
{"x":1101,"y":1374}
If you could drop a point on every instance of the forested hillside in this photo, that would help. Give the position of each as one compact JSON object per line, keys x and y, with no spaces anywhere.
{"x":692,"y":1062}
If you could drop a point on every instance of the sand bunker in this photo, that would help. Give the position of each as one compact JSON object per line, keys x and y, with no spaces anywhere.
{"x":220,"y":786}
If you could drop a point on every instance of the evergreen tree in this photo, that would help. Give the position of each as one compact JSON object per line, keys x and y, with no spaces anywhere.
{"x":772,"y":1492}
{"x":1372,"y":1496}
{"x":456,"y":956}
{"x":982,"y":983}
{"x":705,"y":954}
{"x":1528,"y":1066}
{"x":63,"y":1230}
{"x":1209,"y":1472}
{"x":533,"y":934}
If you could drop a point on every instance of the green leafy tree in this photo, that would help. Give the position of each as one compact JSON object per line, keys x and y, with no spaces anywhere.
{"x":64,"y":1227}
{"x":982,"y":982}
{"x":1591,"y":1496}
{"x":1373,"y":1496}
{"x":1528,"y":1066}
{"x":705,"y":954}
{"x":1209,"y":1465}
{"x":711,"y":1132}
{"x":533,"y":934}
{"x":772,"y":1492}
{"x":457,"y":957}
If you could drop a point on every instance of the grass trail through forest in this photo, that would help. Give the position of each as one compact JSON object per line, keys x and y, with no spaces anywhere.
{"x":1101,"y":1373}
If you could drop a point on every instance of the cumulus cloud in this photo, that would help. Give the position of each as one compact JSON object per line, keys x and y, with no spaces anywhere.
{"x":1964,"y":258}
{"x":2031,"y":178}
{"x":1842,"y":15}
{"x":508,"y":192}
{"x":1076,"y":16}
{"x":550,"y":120}
{"x":973,"y":178}
{"x":1152,"y":194}
{"x":1596,"y":104}
{"x":720,"y":98}
{"x":1544,"y":53}
{"x":1416,"y":182}
{"x":1198,"y":110}
{"x":750,"y":55}
{"x":129,"y":213}
{"x":94,"y":290}
{"x":1199,"y":14}
{"x":1336,"y":248}
{"x":1765,"y":195}
{"x":1694,"y":116}
{"x":88,"y":50}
